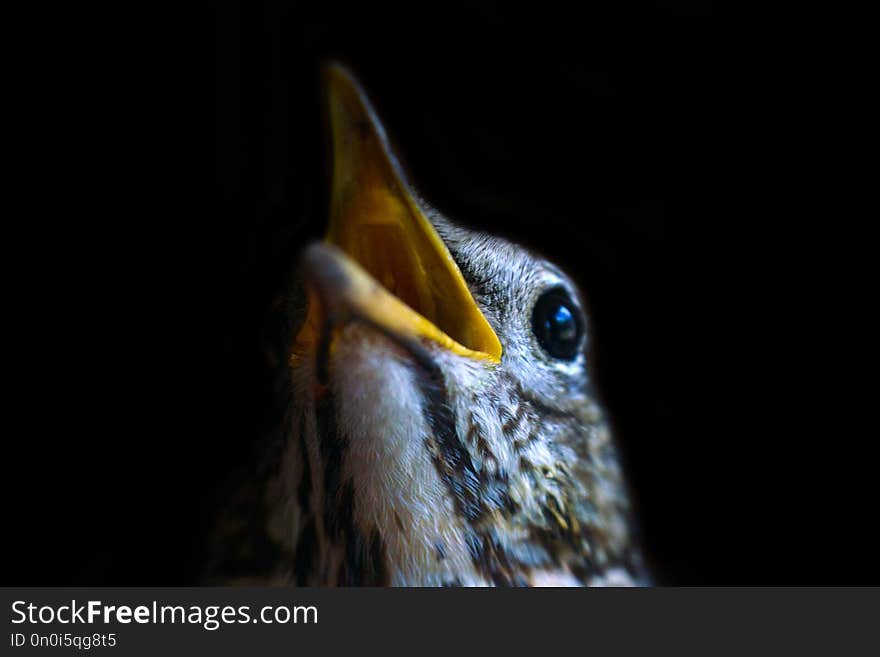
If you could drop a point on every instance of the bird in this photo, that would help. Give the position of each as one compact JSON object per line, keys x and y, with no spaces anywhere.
{"x":441,"y":425}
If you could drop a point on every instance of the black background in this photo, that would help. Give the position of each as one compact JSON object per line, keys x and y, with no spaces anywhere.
{"x":183,"y":174}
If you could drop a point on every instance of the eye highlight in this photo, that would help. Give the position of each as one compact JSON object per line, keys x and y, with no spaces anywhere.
{"x":557,"y":324}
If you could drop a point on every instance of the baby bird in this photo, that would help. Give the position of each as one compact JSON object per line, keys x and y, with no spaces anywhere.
{"x":441,"y":428}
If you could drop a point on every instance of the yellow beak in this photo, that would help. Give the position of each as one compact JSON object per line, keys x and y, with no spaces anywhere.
{"x":382,"y":261}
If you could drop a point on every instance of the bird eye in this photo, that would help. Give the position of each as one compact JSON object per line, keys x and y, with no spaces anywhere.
{"x":557,"y":324}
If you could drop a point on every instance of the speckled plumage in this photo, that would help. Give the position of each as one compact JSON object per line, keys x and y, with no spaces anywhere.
{"x":433,"y":469}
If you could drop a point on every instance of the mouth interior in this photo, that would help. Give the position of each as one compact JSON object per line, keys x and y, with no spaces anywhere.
{"x":384,"y":254}
{"x":408,"y":264}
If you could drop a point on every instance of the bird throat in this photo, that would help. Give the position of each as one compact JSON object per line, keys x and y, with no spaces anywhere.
{"x":403,"y":478}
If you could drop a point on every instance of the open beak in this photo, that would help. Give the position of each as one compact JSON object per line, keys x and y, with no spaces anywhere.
{"x":382,"y":261}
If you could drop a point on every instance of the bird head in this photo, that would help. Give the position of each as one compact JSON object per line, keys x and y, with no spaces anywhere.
{"x":444,"y":429}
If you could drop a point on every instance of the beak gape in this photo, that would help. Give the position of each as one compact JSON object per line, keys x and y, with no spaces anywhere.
{"x":382,"y":261}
